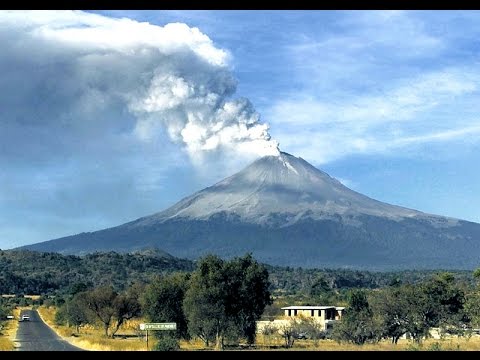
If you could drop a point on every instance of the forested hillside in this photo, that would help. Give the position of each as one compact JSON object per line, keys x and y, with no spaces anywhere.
{"x":289,"y":280}
{"x":31,"y":272}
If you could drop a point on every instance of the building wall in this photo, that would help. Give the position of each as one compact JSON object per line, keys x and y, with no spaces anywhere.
{"x":277,"y":323}
{"x":322,"y":316}
{"x":305,"y":313}
{"x":287,"y":320}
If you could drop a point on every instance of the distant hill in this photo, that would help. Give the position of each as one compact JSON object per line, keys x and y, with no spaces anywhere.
{"x":31,"y":272}
{"x":287,"y":212}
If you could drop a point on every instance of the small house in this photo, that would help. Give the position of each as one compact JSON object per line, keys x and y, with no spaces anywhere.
{"x":325,"y":315}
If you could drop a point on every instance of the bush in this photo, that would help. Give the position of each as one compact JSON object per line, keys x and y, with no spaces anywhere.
{"x":269,"y":330}
{"x":436,"y":346}
{"x":414,"y":347}
{"x":167,"y":343}
{"x":311,"y":330}
{"x":60,"y":317}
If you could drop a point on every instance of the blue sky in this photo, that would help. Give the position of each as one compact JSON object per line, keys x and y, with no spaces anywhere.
{"x":109,"y":116}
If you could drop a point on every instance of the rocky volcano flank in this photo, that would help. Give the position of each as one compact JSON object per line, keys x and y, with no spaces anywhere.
{"x":287,"y":212}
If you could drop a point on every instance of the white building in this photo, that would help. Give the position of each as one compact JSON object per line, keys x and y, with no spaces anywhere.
{"x":326,"y":316}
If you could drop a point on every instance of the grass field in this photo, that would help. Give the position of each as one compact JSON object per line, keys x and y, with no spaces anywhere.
{"x":127,"y":339}
{"x":8,"y":332}
{"x":449,"y":344}
{"x":275,"y":343}
{"x":90,"y":338}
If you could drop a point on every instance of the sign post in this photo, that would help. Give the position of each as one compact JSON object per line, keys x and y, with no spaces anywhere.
{"x":157,"y":326}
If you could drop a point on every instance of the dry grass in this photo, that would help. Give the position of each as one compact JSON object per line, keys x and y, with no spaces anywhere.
{"x":91,"y":338}
{"x":8,"y":333}
{"x":453,"y":343}
{"x":193,"y":344}
{"x":5,"y":343}
{"x":276,"y":343}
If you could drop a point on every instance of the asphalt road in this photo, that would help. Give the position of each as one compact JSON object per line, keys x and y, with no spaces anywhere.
{"x":35,"y":335}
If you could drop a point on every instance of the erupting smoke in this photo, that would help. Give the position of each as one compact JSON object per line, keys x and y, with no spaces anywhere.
{"x":197,"y":113}
{"x":171,"y":78}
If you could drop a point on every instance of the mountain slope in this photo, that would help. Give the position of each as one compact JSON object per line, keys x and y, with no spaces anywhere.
{"x":287,"y":212}
{"x":283,"y":185}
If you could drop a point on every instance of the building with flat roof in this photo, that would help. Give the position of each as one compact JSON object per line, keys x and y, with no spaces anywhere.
{"x":326,"y":316}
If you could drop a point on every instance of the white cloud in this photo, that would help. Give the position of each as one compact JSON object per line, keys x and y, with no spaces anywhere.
{"x":172,"y":79}
{"x":88,"y":32}
{"x":416,"y":111}
{"x":359,"y":47}
{"x":439,"y":136}
{"x":375,"y":82}
{"x":396,"y":30}
{"x":398,"y":104}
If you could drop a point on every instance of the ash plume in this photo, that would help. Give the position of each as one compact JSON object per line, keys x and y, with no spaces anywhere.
{"x":95,"y":73}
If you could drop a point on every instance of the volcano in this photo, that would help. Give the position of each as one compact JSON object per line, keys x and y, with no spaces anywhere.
{"x":287,"y":212}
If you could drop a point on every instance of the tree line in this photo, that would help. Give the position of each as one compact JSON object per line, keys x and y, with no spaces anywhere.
{"x":31,"y":272}
{"x":219,"y":302}
{"x":441,"y":302}
{"x":40,"y":273}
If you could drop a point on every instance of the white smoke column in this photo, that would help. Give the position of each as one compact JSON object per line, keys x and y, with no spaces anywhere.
{"x":192,"y":101}
{"x":201,"y":117}
{"x":173,"y":79}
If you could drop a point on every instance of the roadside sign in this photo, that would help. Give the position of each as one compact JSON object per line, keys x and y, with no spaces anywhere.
{"x":158,"y":326}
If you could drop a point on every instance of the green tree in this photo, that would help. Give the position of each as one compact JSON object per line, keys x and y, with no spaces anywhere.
{"x":358,"y":325}
{"x":472,"y":307}
{"x":225,"y":298}
{"x":4,"y":311}
{"x":101,"y":303}
{"x":415,"y":309}
{"x":127,"y":306}
{"x":248,"y":294}
{"x":163,"y":301}
{"x":320,"y":292}
{"x":443,"y":304}
{"x":472,"y":303}
{"x":204,"y":302}
{"x":392,"y":305}
{"x":416,"y":304}
{"x":73,"y":312}
{"x":77,"y":288}
{"x":476,"y":273}
{"x":319,"y":287}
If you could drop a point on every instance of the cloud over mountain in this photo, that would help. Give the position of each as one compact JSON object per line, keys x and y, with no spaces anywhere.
{"x":85,"y":74}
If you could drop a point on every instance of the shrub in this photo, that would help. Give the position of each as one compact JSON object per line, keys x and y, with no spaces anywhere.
{"x":167,"y":343}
